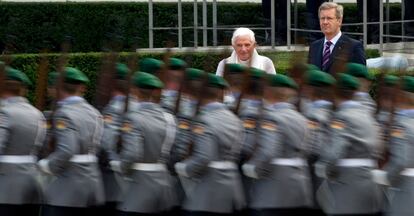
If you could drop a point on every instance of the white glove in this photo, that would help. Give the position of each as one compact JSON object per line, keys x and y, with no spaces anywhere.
{"x":115,"y":165}
{"x":380,"y":177}
{"x":180,"y":168}
{"x":249,"y":171}
{"x":320,"y":170}
{"x":44,"y":166}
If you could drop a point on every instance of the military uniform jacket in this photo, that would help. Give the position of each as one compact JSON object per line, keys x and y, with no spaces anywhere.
{"x":22,"y":131}
{"x":282,"y":135}
{"x":113,"y":115}
{"x":78,"y":131}
{"x":353,"y":135}
{"x":366,"y":100}
{"x":147,"y":138}
{"x":401,"y":163}
{"x":217,"y":142}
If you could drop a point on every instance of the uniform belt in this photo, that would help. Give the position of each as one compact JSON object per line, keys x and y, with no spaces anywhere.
{"x":408,"y":172}
{"x":356,"y":162}
{"x":84,"y":158}
{"x":289,"y":162}
{"x":149,"y":167}
{"x":18,"y":159}
{"x":223,"y":165}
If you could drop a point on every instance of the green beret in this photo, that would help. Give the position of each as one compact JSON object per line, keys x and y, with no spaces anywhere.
{"x":346,"y":81}
{"x":147,"y":81}
{"x":73,"y":75}
{"x":257,"y":73}
{"x":177,"y":64}
{"x":312,"y":67}
{"x":235,"y":68}
{"x":408,"y":83}
{"x":217,"y":81}
{"x":193,"y":74}
{"x":358,"y":70}
{"x":122,"y":71}
{"x":319,"y":78}
{"x":14,"y":74}
{"x":150,"y":65}
{"x":52,"y":78}
{"x":391,"y":80}
{"x":280,"y":80}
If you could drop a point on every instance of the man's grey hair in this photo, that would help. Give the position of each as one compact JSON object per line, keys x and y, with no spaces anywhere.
{"x":243,"y":32}
{"x":339,"y":9}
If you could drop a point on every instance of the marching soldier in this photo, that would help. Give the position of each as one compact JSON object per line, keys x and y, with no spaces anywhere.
{"x":77,"y":129}
{"x":365,"y":80}
{"x":113,"y":114}
{"x":151,"y":65}
{"x":387,"y":90}
{"x":148,"y":133}
{"x":212,"y":166}
{"x":173,"y":80}
{"x":22,"y":133}
{"x":399,"y":171}
{"x":350,"y":153}
{"x":319,"y":110}
{"x":282,"y":181}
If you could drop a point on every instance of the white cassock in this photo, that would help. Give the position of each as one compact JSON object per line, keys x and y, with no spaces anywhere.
{"x":258,"y":61}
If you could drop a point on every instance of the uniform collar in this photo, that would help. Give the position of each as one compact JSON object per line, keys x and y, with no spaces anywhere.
{"x":71,"y":100}
{"x":119,"y":98}
{"x":14,"y":99}
{"x":321,"y":103}
{"x":362,"y":94}
{"x":146,"y":105}
{"x":251,"y":102}
{"x":349,"y":104}
{"x":406,"y":112}
{"x":281,"y":105}
{"x":213,"y":106}
{"x":169,"y":93}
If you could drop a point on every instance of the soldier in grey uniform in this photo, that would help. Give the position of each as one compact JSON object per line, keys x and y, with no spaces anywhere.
{"x":319,"y":91}
{"x":234,"y":75}
{"x":212,"y":166}
{"x":77,"y":129}
{"x":398,"y":173}
{"x":151,"y":65}
{"x":22,"y":131}
{"x":173,"y":81}
{"x":113,"y":115}
{"x":351,"y":151}
{"x":282,"y":184}
{"x":148,"y":133}
{"x":362,"y":95}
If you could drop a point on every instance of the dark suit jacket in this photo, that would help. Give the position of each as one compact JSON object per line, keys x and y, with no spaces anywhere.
{"x":354,"y":50}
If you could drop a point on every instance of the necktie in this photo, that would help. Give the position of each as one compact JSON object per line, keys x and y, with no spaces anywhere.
{"x":326,"y":54}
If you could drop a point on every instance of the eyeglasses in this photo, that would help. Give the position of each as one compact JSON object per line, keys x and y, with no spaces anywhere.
{"x":329,"y":19}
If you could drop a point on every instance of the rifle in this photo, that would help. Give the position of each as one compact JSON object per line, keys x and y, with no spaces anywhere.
{"x":41,"y":85}
{"x":61,"y":62}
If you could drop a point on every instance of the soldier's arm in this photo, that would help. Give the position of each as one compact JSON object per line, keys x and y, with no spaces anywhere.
{"x":66,"y":135}
{"x":181,"y":147}
{"x":40,"y":135}
{"x":398,"y":153}
{"x":4,"y":131}
{"x":203,"y":152}
{"x":132,"y":143}
{"x":249,"y":142}
{"x":269,"y":143}
{"x":111,"y":134}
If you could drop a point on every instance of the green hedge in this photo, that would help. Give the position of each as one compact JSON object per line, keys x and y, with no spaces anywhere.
{"x":44,"y":25}
{"x":90,"y":63}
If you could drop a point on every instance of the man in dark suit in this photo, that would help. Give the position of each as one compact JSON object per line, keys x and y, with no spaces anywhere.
{"x":335,"y":45}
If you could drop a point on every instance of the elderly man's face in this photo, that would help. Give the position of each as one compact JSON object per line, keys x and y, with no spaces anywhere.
{"x":330,"y":24}
{"x":244,"y":47}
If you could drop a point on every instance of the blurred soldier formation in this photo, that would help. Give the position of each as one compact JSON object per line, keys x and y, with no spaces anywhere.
{"x":167,"y":142}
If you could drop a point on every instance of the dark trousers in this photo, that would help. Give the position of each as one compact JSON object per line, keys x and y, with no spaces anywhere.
{"x":281,"y":212}
{"x":18,"y":210}
{"x":109,"y":209}
{"x":48,"y":210}
{"x":378,"y":214}
{"x":195,"y":213}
